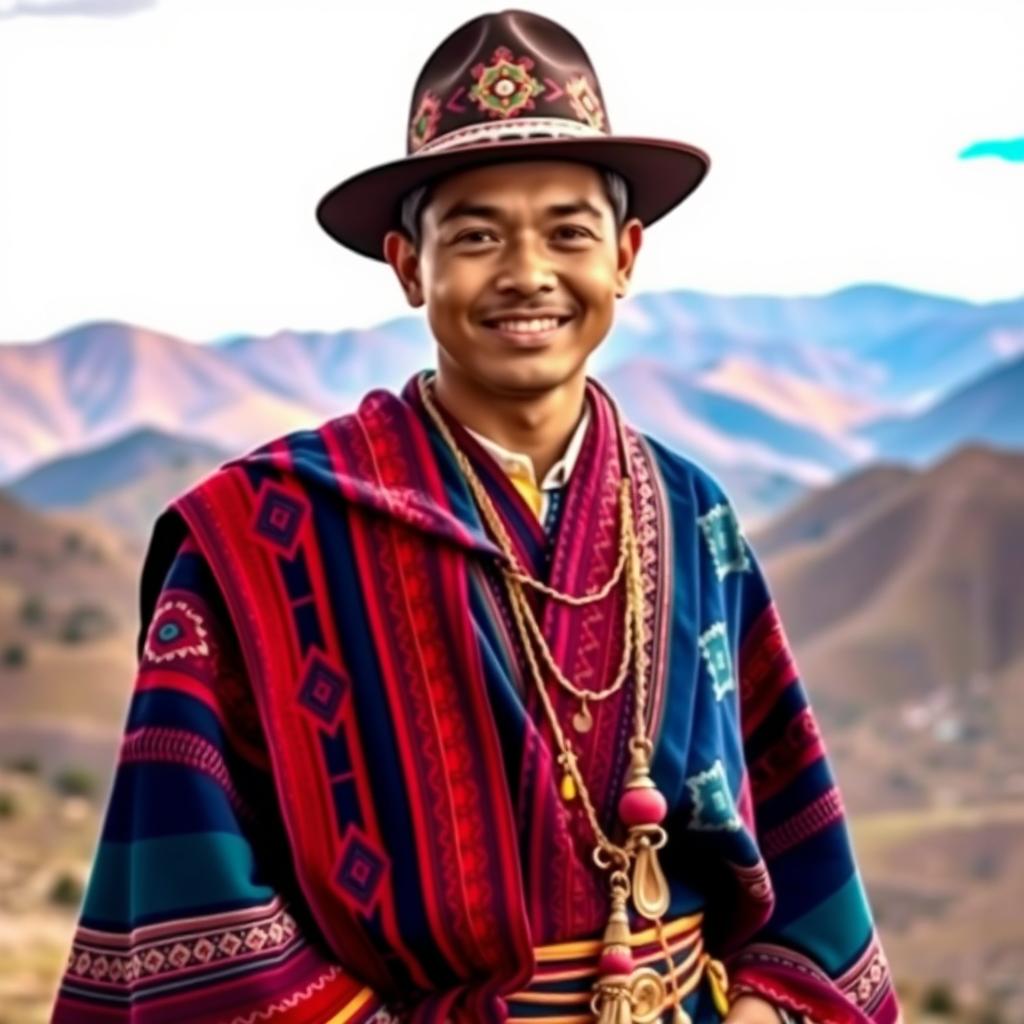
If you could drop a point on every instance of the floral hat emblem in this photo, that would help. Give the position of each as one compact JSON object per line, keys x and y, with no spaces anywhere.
{"x":424,"y":123}
{"x":505,"y":87}
{"x":585,"y":101}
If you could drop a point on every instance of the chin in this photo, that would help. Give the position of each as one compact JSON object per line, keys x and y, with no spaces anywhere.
{"x":543,"y":373}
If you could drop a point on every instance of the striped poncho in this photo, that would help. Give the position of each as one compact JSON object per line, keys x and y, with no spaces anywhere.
{"x":337,"y":797}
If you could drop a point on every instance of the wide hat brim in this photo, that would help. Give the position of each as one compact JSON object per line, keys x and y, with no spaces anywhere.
{"x":661,"y":173}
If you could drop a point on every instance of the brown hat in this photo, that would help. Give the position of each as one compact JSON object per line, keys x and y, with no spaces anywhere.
{"x":503,"y":87}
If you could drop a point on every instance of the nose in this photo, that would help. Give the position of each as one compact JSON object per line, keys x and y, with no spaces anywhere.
{"x":525,"y":269}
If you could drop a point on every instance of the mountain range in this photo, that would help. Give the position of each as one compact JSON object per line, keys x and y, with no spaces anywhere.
{"x":776,"y":395}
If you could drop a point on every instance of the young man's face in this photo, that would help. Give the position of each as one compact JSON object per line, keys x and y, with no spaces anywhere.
{"x":505,"y":246}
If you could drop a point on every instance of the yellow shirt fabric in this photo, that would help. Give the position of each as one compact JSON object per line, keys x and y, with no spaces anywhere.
{"x":520,"y":469}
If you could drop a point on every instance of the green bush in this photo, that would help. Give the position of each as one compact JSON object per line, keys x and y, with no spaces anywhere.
{"x":8,"y":806}
{"x":991,"y":1015}
{"x":66,"y":891}
{"x":938,"y":1000}
{"x":24,"y":764}
{"x":33,"y":610}
{"x":85,"y":622}
{"x":14,"y":656}
{"x":75,"y":782}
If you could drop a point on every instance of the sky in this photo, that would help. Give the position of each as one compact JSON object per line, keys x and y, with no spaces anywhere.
{"x":160,"y":160}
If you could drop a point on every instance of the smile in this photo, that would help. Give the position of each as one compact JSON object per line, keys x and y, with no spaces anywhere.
{"x":528,"y":326}
{"x":536,"y":329}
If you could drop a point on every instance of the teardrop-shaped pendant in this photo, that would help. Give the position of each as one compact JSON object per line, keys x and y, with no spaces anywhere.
{"x":650,"y":887}
{"x":583,"y":720}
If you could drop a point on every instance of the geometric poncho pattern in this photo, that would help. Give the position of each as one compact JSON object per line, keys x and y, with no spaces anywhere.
{"x":336,"y":798}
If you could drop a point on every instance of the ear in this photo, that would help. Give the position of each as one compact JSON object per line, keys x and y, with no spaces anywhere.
{"x":401,"y":254}
{"x":631,"y":237}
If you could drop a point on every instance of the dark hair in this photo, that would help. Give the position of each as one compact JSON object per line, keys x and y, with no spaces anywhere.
{"x":414,"y":202}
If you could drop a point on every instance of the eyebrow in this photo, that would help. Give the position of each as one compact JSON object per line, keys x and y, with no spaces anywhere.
{"x":464,"y":208}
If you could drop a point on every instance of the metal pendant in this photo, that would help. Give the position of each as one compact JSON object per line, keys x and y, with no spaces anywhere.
{"x":647,"y":995}
{"x":650,"y":887}
{"x":583,"y":720}
{"x":638,"y":999}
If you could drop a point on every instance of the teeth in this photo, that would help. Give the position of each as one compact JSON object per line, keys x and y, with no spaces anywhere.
{"x":528,"y":326}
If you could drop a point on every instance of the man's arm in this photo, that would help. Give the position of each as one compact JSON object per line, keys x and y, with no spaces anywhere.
{"x":192,"y":912}
{"x":819,"y":954}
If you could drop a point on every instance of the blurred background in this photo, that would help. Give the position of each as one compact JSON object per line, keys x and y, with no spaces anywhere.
{"x":833,"y":324}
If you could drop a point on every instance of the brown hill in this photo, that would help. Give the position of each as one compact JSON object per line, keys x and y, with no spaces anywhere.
{"x":68,"y":619}
{"x":908,"y":624}
{"x":827,"y":509}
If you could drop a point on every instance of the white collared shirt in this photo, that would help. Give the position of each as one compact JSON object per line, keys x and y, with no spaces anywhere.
{"x":520,"y":464}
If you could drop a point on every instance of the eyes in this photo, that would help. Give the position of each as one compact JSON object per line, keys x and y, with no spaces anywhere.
{"x":565,"y":232}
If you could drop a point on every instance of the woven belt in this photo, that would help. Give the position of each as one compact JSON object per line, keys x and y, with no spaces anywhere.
{"x":560,"y":991}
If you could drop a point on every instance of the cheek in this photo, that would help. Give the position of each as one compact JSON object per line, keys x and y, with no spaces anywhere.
{"x":597,"y":290}
{"x":452,"y":295}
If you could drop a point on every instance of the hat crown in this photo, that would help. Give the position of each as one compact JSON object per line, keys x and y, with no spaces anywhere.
{"x":504,"y":76}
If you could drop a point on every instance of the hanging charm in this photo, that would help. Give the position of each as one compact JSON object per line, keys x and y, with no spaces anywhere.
{"x":567,"y":789}
{"x":610,"y":1000}
{"x":622,"y":994}
{"x":583,"y":720}
{"x":650,"y":888}
{"x":642,"y":808}
{"x":646,"y":995}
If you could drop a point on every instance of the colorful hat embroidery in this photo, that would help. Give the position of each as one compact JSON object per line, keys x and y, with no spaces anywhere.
{"x":505,"y":87}
{"x":424,"y":124}
{"x":585,"y":102}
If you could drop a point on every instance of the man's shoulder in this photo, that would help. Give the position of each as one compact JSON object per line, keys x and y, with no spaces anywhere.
{"x":279,"y":455}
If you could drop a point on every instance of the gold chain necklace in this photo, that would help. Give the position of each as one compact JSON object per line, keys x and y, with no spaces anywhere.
{"x":583,"y":720}
{"x":622,"y":993}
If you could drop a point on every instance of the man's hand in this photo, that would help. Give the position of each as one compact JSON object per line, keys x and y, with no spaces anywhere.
{"x":752,"y":1010}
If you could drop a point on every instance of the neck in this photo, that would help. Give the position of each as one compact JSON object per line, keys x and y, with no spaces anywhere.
{"x":539,"y":424}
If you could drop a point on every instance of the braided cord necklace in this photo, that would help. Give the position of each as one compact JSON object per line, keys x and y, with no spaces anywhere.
{"x":622,"y":993}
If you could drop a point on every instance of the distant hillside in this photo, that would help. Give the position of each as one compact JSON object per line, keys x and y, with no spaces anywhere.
{"x":989,"y":409}
{"x":331,"y":370}
{"x":77,"y":479}
{"x":93,"y":384}
{"x":788,"y":396}
{"x":720,"y":429}
{"x":827,"y":510}
{"x":909,"y":622}
{"x":874,"y":342}
{"x":68,"y":622}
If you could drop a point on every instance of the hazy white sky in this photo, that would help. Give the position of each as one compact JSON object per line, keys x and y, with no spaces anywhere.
{"x":160,"y":161}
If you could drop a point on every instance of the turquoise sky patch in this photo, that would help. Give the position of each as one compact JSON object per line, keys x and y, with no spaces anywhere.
{"x":1004,"y":149}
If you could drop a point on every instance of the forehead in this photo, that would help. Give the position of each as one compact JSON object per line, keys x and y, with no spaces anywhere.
{"x":518,"y":184}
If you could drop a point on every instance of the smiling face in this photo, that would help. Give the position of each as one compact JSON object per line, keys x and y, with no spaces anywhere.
{"x":519,"y":267}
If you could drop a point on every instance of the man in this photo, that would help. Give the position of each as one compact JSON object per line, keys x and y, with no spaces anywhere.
{"x":473,"y":704}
